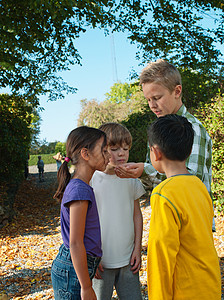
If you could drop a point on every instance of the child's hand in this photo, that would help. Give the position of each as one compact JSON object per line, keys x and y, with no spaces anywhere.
{"x":129,"y":170}
{"x":99,"y":269}
{"x":135,"y":261}
{"x":88,"y":294}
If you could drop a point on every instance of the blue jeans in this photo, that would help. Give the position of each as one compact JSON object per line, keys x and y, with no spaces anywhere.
{"x":64,"y":279}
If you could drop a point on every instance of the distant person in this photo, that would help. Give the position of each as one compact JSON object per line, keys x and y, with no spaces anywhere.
{"x":121,"y":221}
{"x":162,"y":87}
{"x":79,"y":255}
{"x":182,"y":263}
{"x":40,"y":166}
{"x":58,"y":157}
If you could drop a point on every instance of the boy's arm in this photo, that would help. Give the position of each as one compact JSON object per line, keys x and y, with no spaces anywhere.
{"x":163,"y":246}
{"x":138,"y":227}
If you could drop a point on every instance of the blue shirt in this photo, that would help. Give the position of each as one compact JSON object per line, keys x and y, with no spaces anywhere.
{"x":79,"y":190}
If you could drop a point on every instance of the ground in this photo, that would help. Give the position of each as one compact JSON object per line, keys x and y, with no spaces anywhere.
{"x":29,"y":244}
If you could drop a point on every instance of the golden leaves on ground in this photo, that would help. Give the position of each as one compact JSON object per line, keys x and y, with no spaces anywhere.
{"x":30,"y":243}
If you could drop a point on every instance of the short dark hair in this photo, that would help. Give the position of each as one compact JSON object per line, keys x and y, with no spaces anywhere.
{"x":174,"y":136}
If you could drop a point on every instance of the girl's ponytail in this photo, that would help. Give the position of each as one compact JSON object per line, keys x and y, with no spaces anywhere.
{"x":64,"y":177}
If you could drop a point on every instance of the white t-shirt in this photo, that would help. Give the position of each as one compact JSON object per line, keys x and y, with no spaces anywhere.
{"x":115,"y":202}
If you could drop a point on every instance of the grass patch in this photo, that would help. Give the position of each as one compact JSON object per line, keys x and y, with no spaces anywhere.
{"x":47,"y":159}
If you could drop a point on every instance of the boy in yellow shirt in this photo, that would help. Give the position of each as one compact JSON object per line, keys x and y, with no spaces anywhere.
{"x":182,"y":263}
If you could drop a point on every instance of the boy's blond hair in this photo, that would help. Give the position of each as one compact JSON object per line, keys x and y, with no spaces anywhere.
{"x":117,"y":134}
{"x":161,"y":72}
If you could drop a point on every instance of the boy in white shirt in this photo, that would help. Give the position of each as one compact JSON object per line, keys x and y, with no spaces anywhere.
{"x":121,"y":221}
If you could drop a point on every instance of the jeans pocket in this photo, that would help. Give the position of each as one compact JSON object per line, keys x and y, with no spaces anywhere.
{"x":65,"y":281}
{"x":64,"y":295}
{"x":59,"y":277}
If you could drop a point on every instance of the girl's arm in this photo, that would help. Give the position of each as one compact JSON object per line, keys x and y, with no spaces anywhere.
{"x":78,"y":210}
{"x":138,"y":226}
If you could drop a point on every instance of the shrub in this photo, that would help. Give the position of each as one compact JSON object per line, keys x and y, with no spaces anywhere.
{"x":212,"y":117}
{"x":60,"y":147}
{"x":15,"y":136}
{"x":137,"y":123}
{"x":15,"y":131}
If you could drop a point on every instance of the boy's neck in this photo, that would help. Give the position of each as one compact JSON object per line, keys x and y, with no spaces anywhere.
{"x":173,"y":168}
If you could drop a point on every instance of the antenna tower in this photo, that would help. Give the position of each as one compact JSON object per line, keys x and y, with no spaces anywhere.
{"x":114,"y":62}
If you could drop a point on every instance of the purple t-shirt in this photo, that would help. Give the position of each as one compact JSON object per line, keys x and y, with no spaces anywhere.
{"x":79,"y":190}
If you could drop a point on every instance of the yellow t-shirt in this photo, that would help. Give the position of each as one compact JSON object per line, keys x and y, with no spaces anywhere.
{"x":182,"y":260}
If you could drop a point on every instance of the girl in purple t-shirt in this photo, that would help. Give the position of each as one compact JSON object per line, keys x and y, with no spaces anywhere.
{"x":79,"y":255}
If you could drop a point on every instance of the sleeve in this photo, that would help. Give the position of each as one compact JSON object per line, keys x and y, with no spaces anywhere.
{"x":163,"y":246}
{"x":77,"y":193}
{"x":200,"y":161}
{"x":138,"y":189}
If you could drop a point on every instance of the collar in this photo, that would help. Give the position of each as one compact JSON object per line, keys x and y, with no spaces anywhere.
{"x":182,"y":110}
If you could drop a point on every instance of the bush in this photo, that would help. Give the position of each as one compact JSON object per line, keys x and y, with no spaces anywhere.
{"x":212,"y":117}
{"x":60,"y":147}
{"x":137,"y":123}
{"x":15,"y":136}
{"x":15,"y":131}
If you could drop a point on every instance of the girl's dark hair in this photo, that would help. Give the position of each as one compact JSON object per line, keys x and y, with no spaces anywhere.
{"x":174,"y":136}
{"x":79,"y":138}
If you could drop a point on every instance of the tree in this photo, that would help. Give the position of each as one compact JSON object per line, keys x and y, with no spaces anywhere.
{"x":131,"y":110}
{"x":35,"y":129}
{"x":38,"y":37}
{"x":115,"y":107}
{"x":38,"y":41}
{"x":187,"y":33}
{"x":60,"y":147}
{"x":199,"y":87}
{"x":177,"y":30}
{"x":15,"y":121}
{"x":15,"y":137}
{"x":121,"y":92}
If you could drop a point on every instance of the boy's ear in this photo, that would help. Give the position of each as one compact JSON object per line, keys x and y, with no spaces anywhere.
{"x":178,"y":90}
{"x":84,"y":153}
{"x":157,"y":152}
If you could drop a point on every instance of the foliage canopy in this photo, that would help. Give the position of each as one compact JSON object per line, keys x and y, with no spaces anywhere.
{"x":38,"y":41}
{"x":38,"y":37}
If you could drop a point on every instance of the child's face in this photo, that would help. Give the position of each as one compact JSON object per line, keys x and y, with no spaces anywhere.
{"x":99,"y":157}
{"x":118,"y":154}
{"x":161,"y":101}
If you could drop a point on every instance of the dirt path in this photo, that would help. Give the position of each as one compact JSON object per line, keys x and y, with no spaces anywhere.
{"x":30,"y":243}
{"x":50,"y":175}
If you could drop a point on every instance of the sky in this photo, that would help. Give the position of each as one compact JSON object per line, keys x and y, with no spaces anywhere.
{"x":105,"y":60}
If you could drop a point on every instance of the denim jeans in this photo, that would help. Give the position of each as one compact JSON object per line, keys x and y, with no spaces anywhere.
{"x":64,"y":279}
